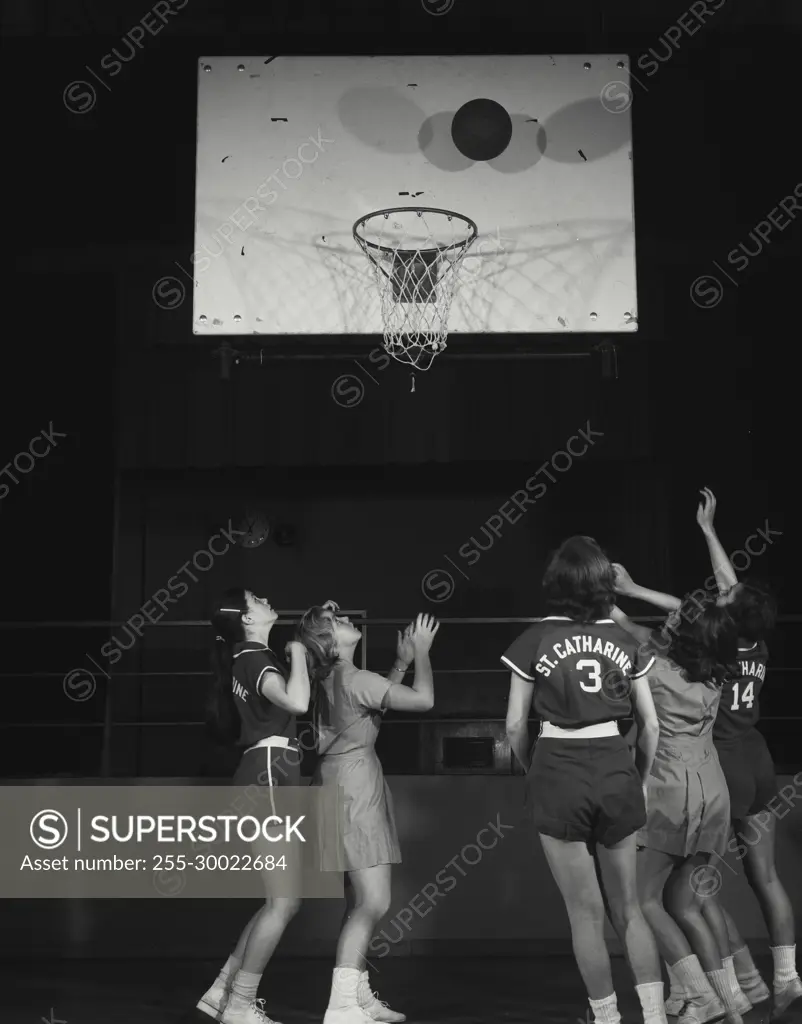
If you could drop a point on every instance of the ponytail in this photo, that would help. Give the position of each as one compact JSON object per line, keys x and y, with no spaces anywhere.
{"x":222,"y":717}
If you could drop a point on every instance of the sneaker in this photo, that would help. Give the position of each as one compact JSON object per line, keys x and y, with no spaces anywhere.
{"x":742,"y":1004}
{"x":239,"y":1012}
{"x":701,"y":1010}
{"x":675,"y":1004}
{"x":757,"y":993}
{"x":348,"y":1015}
{"x":375,"y":1007}
{"x":213,"y":1002}
{"x":788,"y":996}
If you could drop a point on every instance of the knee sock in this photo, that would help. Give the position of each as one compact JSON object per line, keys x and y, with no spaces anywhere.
{"x":605,"y":1011}
{"x":784,"y":965}
{"x":652,"y":1003}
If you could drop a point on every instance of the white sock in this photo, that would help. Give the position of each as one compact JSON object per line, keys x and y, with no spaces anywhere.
{"x":729,"y":969}
{"x":605,"y":1011}
{"x":721,"y":986}
{"x":245,"y":986}
{"x":745,"y":970}
{"x":694,"y":981}
{"x":230,"y":968}
{"x":784,"y":965}
{"x":344,"y":987}
{"x":676,"y":987}
{"x":652,"y":1003}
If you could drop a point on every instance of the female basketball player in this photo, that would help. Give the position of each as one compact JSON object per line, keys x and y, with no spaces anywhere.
{"x":254,"y":701}
{"x":749,"y":772}
{"x":585,"y":794}
{"x":687,"y":804}
{"x":349,"y":703}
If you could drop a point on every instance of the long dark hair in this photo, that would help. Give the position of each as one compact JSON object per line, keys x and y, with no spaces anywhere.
{"x":316,"y":633}
{"x":579,"y":581}
{"x":222,"y":719}
{"x":702,"y":640}
{"x":754,"y":609}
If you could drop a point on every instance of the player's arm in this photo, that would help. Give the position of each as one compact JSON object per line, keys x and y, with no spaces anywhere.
{"x":518,"y":706}
{"x":647,"y":725}
{"x":641,"y":633}
{"x":291,"y":695}
{"x":627,"y":587}
{"x":722,"y":566}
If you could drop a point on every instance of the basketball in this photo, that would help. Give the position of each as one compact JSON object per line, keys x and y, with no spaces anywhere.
{"x":481,"y":129}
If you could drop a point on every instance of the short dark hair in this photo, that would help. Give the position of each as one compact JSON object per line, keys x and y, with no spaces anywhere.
{"x":702,"y":640}
{"x":754,"y":609}
{"x":579,"y":581}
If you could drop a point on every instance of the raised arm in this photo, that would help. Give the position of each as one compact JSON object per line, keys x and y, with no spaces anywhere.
{"x":404,"y":655}
{"x":419,"y":696}
{"x":292,"y":696}
{"x":722,"y":567}
{"x":626,"y":586}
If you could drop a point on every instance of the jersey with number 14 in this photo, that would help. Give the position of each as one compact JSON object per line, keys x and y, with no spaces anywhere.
{"x":582,"y":671}
{"x":739,"y":709}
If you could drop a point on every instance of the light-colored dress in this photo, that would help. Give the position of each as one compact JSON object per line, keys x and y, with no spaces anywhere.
{"x":688,"y":805}
{"x":348,"y":710}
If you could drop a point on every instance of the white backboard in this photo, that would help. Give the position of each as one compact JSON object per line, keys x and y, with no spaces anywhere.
{"x":293,"y":150}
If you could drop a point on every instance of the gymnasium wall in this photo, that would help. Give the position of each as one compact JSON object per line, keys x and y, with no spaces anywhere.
{"x":449,"y":896}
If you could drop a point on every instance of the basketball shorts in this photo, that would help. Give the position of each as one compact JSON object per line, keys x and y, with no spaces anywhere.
{"x":585,"y":790}
{"x":269,"y":766}
{"x":262,"y":774}
{"x":749,"y":771}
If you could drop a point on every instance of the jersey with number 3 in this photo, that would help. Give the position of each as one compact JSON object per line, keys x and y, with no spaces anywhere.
{"x":582,"y":671}
{"x":739,"y":709}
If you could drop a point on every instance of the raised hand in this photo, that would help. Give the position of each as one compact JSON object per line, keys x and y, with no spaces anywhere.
{"x":423,"y":633}
{"x":294,"y":648}
{"x":405,"y":651}
{"x":624,"y":584}
{"x":706,"y":510}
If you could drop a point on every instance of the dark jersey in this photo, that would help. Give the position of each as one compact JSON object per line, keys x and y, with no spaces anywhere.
{"x":259,"y":717}
{"x":739,"y":709}
{"x":583,"y":672}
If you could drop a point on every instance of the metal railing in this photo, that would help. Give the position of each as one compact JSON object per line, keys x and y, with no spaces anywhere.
{"x":109,"y":723}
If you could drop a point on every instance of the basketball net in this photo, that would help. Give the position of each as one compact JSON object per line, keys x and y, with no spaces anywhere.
{"x":415,"y":254}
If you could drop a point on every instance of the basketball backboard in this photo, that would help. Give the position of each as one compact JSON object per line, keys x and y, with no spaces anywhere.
{"x":293,"y":150}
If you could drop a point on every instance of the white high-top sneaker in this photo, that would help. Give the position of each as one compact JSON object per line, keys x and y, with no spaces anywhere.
{"x":344,"y":1005}
{"x":702,"y":1010}
{"x":239,"y":1012}
{"x":375,"y":1007}
{"x":213,"y":1002}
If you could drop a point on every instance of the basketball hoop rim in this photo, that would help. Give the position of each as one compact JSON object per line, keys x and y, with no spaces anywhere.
{"x":419,"y":210}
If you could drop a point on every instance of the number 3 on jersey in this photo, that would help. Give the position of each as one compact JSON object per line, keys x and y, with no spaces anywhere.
{"x":747,"y":697}
{"x":595,"y":676}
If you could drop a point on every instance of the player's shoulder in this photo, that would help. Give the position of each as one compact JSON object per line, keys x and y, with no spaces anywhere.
{"x":751,"y":652}
{"x":250,"y":656}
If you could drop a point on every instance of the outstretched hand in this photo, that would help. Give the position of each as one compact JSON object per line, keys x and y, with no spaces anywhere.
{"x":405,"y":651}
{"x":423,"y":633}
{"x":706,"y":510}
